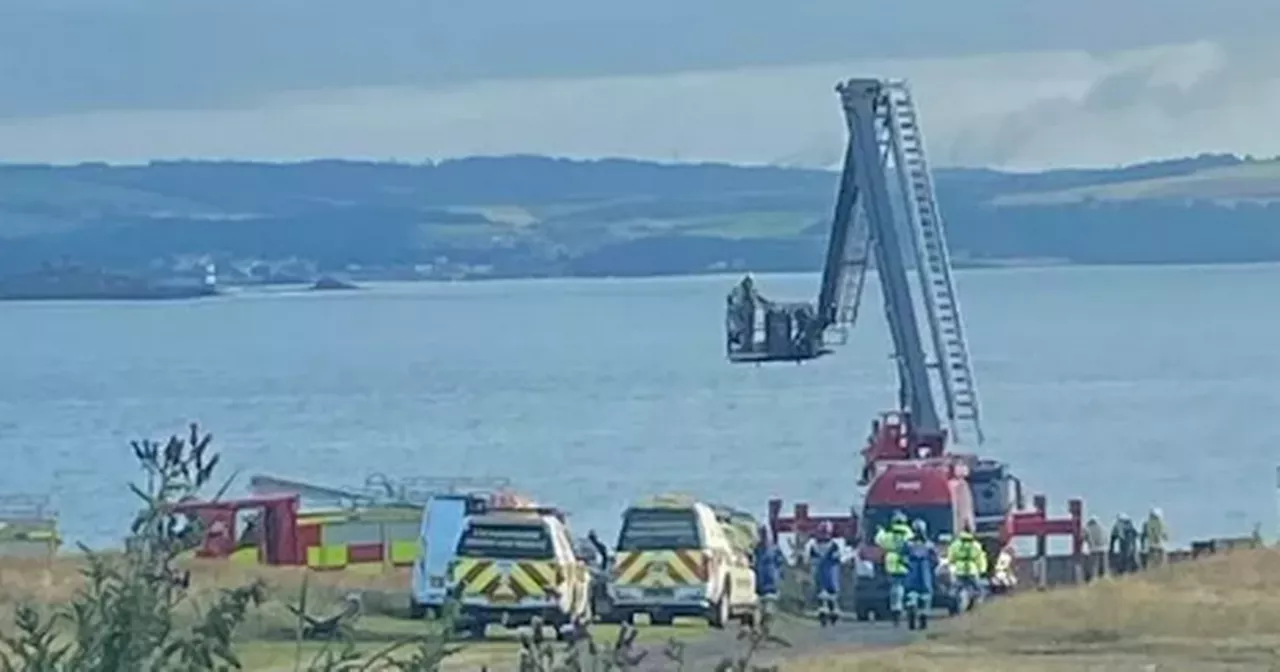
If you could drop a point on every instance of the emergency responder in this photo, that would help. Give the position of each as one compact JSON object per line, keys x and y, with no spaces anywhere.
{"x":767,"y":561}
{"x":891,"y":541}
{"x":1095,"y":542}
{"x":968,"y":562}
{"x":742,"y":308}
{"x":1154,"y":538}
{"x":922,"y":563}
{"x":1003,"y":577}
{"x":824,"y":557}
{"x":1124,"y":546}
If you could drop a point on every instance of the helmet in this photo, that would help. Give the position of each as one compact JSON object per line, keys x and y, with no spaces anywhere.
{"x":920,"y":527}
{"x":1157,"y":513}
{"x":899,"y":517}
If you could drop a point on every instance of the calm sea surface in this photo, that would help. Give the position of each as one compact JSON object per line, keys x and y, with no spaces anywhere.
{"x":1132,"y":387}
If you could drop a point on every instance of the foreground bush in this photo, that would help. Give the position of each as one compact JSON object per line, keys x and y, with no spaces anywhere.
{"x":142,"y":610}
{"x":134,"y":611}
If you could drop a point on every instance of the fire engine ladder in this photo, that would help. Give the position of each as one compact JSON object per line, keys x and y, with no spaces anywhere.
{"x":933,"y":264}
{"x":853,"y":277}
{"x":848,"y":255}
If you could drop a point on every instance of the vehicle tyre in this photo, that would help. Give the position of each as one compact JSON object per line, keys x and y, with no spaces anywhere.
{"x":600,"y":605}
{"x":475,"y":630}
{"x":719,"y":616}
{"x":417,"y":610}
{"x":661,"y":619}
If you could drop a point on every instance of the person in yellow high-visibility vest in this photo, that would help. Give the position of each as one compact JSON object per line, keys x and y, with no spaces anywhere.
{"x":892,"y":541}
{"x":1154,"y":537}
{"x":968,"y":562}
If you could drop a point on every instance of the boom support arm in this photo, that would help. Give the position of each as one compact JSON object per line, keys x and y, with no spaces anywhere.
{"x":863,"y":101}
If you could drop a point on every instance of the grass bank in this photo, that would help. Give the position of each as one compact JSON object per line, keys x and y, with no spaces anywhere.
{"x":1221,"y":613}
{"x":267,"y":640}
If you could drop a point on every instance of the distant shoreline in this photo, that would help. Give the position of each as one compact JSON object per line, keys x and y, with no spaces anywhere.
{"x":232,"y":289}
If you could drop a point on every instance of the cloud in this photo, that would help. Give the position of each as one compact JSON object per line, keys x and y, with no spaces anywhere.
{"x":1169,"y":101}
{"x":77,"y":56}
{"x":1016,"y":110}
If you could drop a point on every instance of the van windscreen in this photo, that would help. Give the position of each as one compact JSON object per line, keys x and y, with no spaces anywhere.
{"x":516,"y":542}
{"x":659,"y":529}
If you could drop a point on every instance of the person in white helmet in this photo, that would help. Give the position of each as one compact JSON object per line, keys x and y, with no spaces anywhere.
{"x":1154,"y":538}
{"x":1124,"y":545}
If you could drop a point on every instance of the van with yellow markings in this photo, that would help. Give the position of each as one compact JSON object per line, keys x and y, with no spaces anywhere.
{"x":678,"y":557}
{"x":515,"y":565}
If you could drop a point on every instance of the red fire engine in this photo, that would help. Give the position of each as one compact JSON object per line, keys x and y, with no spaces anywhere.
{"x":906,"y":465}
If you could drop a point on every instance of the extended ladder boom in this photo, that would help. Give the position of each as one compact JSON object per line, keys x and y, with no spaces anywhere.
{"x":869,"y":140}
{"x":932,"y":260}
{"x":884,"y":166}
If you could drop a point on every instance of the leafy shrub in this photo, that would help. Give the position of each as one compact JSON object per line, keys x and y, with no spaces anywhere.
{"x":136,"y":610}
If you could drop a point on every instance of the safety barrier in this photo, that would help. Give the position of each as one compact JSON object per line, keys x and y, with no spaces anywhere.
{"x":1037,"y":524}
{"x":802,"y":524}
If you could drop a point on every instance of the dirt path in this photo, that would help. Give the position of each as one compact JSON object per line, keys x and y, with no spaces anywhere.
{"x":805,"y":637}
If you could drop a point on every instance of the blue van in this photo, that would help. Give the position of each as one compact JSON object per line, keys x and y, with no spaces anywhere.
{"x":443,"y":519}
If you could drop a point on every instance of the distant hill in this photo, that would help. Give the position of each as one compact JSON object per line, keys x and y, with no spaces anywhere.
{"x":529,"y":215}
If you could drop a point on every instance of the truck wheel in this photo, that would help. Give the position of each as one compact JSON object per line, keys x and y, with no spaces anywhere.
{"x":719,"y":616}
{"x":417,"y":610}
{"x":661,"y":619}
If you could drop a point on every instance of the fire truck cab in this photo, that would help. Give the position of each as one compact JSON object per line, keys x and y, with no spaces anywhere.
{"x":252,"y":530}
{"x":933,"y":490}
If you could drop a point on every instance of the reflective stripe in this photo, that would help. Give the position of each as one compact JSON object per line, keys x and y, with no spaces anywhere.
{"x":322,"y":519}
{"x":327,"y":557}
{"x":533,"y":578}
{"x":404,"y":552}
{"x":483,"y":579}
{"x":660,"y":569}
{"x":473,"y":576}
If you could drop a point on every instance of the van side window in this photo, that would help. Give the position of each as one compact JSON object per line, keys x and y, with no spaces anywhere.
{"x":659,"y":529}
{"x":500,"y":542}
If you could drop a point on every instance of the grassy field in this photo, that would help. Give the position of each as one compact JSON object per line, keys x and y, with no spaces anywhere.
{"x":1217,"y":614}
{"x":268,"y":640}
{"x":1259,"y":182}
{"x":1221,"y":613}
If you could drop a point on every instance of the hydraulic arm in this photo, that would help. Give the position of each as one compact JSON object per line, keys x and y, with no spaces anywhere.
{"x":886,"y":210}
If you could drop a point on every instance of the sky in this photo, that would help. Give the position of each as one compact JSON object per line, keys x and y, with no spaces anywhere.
{"x":1021,"y":84}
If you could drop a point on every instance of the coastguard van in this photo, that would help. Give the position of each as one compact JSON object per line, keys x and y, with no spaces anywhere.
{"x":443,"y":519}
{"x":514,"y":565}
{"x":676,"y":558}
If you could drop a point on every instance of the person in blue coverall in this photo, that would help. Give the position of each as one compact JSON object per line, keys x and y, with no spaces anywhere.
{"x":824,"y":557}
{"x":922,"y":560}
{"x":767,"y":561}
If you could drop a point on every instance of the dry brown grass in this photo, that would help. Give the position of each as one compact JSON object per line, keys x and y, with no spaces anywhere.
{"x":1221,"y":613}
{"x":51,"y":583}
